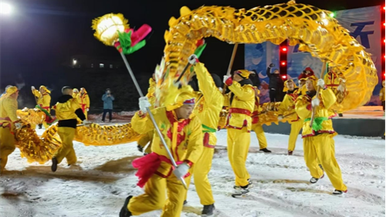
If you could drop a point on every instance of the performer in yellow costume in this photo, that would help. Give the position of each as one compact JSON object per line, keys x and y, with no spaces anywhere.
{"x":318,"y":142}
{"x":43,"y":99}
{"x":84,"y":101}
{"x":67,"y":111}
{"x":208,"y":108}
{"x":148,"y":137}
{"x":183,"y":136}
{"x":256,"y":126}
{"x":75,"y":93}
{"x":333,"y":82}
{"x":241,"y":101}
{"x":287,"y":110}
{"x":8,"y":123}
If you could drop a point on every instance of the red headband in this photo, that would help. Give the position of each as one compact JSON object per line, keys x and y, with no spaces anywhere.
{"x":189,"y":101}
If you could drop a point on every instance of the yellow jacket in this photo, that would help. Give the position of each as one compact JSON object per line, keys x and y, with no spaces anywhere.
{"x":184,"y":137}
{"x":84,"y":100}
{"x":151,"y":92}
{"x":43,"y":100}
{"x":287,"y":106}
{"x":209,"y":104}
{"x":66,"y":108}
{"x":8,"y":107}
{"x":382,"y":94}
{"x":322,"y":121}
{"x":75,"y":96}
{"x":241,"y":107}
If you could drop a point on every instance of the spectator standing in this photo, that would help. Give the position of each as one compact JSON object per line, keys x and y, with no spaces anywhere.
{"x":107,"y":99}
{"x":276,"y":84}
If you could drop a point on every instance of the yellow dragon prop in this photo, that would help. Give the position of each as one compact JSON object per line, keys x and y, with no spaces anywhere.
{"x":312,"y":28}
{"x":41,"y":149}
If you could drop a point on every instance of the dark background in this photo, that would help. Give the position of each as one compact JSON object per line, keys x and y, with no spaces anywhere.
{"x":38,"y":40}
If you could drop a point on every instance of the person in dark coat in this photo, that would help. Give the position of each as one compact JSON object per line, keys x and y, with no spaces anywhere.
{"x":107,"y":99}
{"x":276,"y":84}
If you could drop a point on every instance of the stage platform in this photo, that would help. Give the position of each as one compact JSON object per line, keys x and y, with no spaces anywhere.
{"x":366,"y":121}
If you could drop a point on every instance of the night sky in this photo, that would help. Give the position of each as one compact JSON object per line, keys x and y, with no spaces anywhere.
{"x":41,"y":34}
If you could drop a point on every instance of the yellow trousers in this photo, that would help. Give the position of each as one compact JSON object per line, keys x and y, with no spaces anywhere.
{"x":7,"y":145}
{"x":146,"y":138}
{"x":67,"y":151}
{"x":154,"y":197}
{"x":260,"y":135}
{"x":295,"y":130}
{"x":200,"y":172}
{"x":85,"y":112}
{"x":320,"y":149}
{"x":238,"y":146}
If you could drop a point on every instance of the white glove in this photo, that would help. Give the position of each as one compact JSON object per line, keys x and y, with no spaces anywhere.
{"x":32,"y":87}
{"x":341,"y":88}
{"x":143,"y":104}
{"x":280,"y":117}
{"x":315,"y":102}
{"x":86,"y":122}
{"x":321,"y":83}
{"x":181,"y":170}
{"x":18,"y":125}
{"x":193,"y":59}
{"x":87,"y":109}
{"x":226,"y":78}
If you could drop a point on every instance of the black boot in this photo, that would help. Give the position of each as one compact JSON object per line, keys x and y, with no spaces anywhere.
{"x":265,"y":150}
{"x":340,"y":115}
{"x":124,"y":211}
{"x":208,"y":210}
{"x":40,"y":126}
{"x":185,"y":202}
{"x":54,"y":165}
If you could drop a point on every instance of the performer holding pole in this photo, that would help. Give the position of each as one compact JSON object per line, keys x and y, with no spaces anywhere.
{"x":287,"y":110}
{"x":43,"y":100}
{"x":84,"y":101}
{"x":175,"y":118}
{"x":318,"y":142}
{"x":241,"y":100}
{"x":9,"y":123}
{"x":208,"y":111}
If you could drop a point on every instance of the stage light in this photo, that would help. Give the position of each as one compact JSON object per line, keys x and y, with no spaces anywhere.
{"x":283,"y":63}
{"x":74,"y":61}
{"x":332,"y":14}
{"x":284,"y":76}
{"x":284,"y":49}
{"x":5,"y":8}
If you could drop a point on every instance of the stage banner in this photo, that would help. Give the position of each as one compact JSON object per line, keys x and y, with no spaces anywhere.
{"x":364,"y":25}
{"x":257,"y":58}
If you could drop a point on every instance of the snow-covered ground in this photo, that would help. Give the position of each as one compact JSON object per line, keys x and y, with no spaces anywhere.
{"x":104,"y":177}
